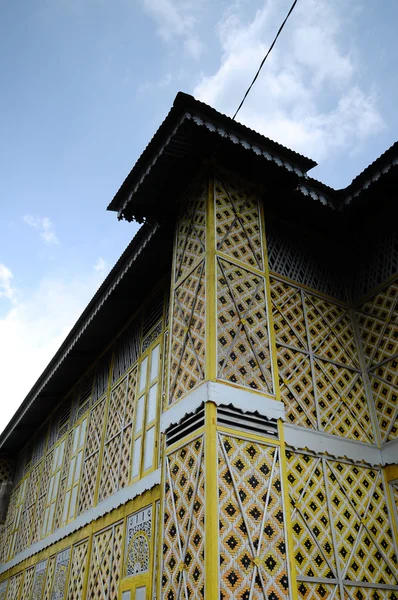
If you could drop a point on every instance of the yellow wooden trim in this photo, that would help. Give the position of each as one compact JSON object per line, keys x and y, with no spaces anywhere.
{"x":391,"y":472}
{"x":161,"y":517}
{"x":392,"y":510}
{"x":309,"y":289}
{"x":239,"y":263}
{"x":212,"y":553}
{"x":211,"y":283}
{"x":271,"y":332}
{"x":186,"y":440}
{"x":246,"y":388}
{"x":288,"y":522}
{"x":86,"y":577}
{"x":241,"y":434}
{"x":86,"y":532}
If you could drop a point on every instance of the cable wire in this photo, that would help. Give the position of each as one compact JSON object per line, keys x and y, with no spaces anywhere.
{"x":264,"y":59}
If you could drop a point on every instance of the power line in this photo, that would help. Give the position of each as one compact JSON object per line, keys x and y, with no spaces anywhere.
{"x":264,"y":59}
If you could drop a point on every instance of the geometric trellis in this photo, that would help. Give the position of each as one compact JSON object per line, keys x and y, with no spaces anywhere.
{"x":187,"y":361}
{"x":27,"y":583}
{"x":377,"y":320}
{"x":191,"y":230}
{"x":238,"y":222}
{"x":14,"y":587}
{"x":243,"y":341}
{"x":138,"y":541}
{"x":106,"y":564}
{"x":61,"y":575}
{"x":49,"y":578}
{"x":77,"y":571}
{"x":252,"y":535}
{"x":38,"y":581}
{"x":91,"y":458}
{"x":343,"y":408}
{"x":117,"y":449}
{"x":320,"y":377}
{"x":184,"y":515}
{"x":3,"y":589}
{"x":341,"y":528}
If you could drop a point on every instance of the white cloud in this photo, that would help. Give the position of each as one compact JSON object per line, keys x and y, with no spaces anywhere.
{"x":45,"y":227}
{"x":6,"y":288}
{"x":101,"y":266}
{"x":32,"y":330}
{"x":307,"y":96}
{"x":177,"y":18}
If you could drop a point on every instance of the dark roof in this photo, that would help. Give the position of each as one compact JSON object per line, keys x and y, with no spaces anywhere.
{"x":174,"y":139}
{"x":112,"y":305}
{"x":193,"y":132}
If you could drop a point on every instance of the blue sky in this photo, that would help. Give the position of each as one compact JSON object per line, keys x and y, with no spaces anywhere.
{"x":85,"y":83}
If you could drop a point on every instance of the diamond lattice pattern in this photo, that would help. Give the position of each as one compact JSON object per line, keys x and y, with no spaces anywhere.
{"x":187,"y":364}
{"x":238,"y":221}
{"x":340,"y":525}
{"x":320,"y":379}
{"x":243,"y":344}
{"x":253,"y":562}
{"x":377,"y":320}
{"x":106,"y":564}
{"x":183,"y":542}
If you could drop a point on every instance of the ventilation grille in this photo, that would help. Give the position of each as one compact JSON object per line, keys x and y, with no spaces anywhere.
{"x":185,"y":427}
{"x":127,"y":350}
{"x":102,"y":376}
{"x":250,"y":422}
{"x":290,"y":256}
{"x":153,"y":312}
{"x":64,"y":415}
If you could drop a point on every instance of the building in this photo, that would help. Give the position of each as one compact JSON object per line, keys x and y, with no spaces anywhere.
{"x":222,"y":420}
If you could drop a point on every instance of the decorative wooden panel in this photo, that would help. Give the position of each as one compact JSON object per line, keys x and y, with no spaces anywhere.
{"x":91,"y":459}
{"x":6,"y":470}
{"x":27,"y":584}
{"x":106,"y":564}
{"x":61,"y":575}
{"x":41,"y":501}
{"x":49,"y":578}
{"x":238,"y":221}
{"x":191,"y":230}
{"x":117,"y":450}
{"x":14,"y":587}
{"x":138,"y":542}
{"x":184,"y":516}
{"x":378,"y":327}
{"x":27,"y":520}
{"x":293,"y":255}
{"x":78,"y":571}
{"x":341,"y":527}
{"x":243,"y":345}
{"x":188,"y":334}
{"x":320,"y":378}
{"x":253,"y":562}
{"x":39,"y":580}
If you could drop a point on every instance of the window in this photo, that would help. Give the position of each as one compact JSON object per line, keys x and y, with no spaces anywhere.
{"x":145,"y":421}
{"x":53,"y":489}
{"x":74,"y":471}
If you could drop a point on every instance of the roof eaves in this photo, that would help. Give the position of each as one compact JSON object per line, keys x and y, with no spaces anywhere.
{"x":186,"y":107}
{"x":371,"y":174}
